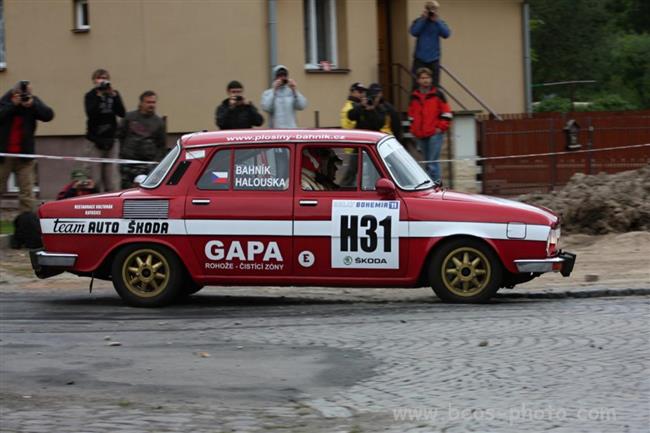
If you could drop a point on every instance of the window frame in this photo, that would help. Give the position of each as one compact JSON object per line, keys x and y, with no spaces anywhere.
{"x":81,"y":11}
{"x":3,"y":50}
{"x":312,"y":34}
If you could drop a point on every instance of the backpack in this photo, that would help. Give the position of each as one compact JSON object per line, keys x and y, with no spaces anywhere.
{"x":27,"y":231}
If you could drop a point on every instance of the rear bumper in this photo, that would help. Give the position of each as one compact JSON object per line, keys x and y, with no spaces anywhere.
{"x":563,"y":263}
{"x":47,"y":264}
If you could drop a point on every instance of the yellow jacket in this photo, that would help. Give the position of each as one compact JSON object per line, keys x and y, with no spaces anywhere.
{"x":345,"y":122}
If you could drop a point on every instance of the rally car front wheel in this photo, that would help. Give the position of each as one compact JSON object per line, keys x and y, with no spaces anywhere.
{"x":147,"y":275}
{"x":465,"y":270}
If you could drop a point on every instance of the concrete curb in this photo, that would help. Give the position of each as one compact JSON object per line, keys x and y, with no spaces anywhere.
{"x":582,"y":293}
{"x":4,"y":241}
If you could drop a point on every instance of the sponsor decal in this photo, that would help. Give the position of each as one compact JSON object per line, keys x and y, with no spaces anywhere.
{"x":105,"y":226}
{"x":365,"y":234}
{"x":306,"y":259}
{"x":195,"y":154}
{"x":93,"y":209}
{"x":257,"y":176}
{"x":244,"y":256}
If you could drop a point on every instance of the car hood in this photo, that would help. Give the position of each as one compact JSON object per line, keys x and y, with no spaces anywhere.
{"x":512,"y":204}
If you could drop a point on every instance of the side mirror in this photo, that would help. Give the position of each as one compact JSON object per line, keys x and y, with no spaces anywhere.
{"x":385,"y":187}
{"x":139,"y":179}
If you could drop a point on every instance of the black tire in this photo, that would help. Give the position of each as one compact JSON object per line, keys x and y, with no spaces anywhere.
{"x":146,"y":275}
{"x":191,"y":288}
{"x":465,"y":270}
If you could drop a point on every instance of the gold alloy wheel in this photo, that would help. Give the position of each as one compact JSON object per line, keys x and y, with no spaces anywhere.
{"x":145,"y":273}
{"x":466,"y":271}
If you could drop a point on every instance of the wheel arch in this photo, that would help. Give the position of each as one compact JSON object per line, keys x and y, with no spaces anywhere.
{"x":104,"y":269}
{"x":423,"y":276}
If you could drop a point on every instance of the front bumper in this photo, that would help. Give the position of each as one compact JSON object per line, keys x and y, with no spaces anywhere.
{"x":563,"y":263}
{"x":47,"y":264}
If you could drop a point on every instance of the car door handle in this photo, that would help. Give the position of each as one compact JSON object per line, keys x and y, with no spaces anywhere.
{"x":308,"y":202}
{"x":201,"y":201}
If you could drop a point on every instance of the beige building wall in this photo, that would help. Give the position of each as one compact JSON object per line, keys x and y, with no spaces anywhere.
{"x":186,"y":51}
{"x":485,"y":51}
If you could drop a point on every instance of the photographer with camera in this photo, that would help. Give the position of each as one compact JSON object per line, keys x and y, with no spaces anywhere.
{"x":428,"y":29}
{"x":19,"y":111}
{"x":282,"y":100}
{"x":103,"y":104}
{"x":376,"y":114}
{"x":237,"y":112}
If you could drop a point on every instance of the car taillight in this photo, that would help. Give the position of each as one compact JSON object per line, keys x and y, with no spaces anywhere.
{"x":553,"y":242}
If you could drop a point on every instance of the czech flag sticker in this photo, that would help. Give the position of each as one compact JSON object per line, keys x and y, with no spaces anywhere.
{"x":220,"y":177}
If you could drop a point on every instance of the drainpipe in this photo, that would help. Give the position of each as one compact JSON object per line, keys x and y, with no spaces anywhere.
{"x":528,"y":92}
{"x":273,"y":38}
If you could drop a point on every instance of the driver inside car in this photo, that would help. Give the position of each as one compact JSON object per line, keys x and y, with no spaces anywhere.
{"x":319,"y":167}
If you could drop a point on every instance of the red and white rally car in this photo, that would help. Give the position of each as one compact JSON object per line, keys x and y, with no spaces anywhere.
{"x":296,"y":207}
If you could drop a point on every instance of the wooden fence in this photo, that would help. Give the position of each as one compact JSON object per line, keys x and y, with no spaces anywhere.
{"x":539,"y":156}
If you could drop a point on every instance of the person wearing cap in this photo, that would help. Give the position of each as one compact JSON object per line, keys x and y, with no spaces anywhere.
{"x":20,"y":109}
{"x":237,"y":112}
{"x":430,"y":118}
{"x":374,"y":113}
{"x":282,"y":100}
{"x":428,"y":29}
{"x":81,"y":185}
{"x":357,"y":91}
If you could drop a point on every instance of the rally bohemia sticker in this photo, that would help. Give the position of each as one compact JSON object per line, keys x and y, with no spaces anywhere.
{"x":365,"y":234}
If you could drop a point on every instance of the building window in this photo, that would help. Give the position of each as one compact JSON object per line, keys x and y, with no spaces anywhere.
{"x":3,"y":61}
{"x":81,"y":16}
{"x":320,"y":34}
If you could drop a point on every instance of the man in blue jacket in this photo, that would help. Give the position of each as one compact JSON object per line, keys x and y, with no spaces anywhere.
{"x":428,"y":29}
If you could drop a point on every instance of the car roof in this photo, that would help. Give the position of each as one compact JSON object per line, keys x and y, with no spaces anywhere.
{"x":244,"y":136}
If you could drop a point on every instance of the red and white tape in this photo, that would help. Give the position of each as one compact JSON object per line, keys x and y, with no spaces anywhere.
{"x":77,"y":158}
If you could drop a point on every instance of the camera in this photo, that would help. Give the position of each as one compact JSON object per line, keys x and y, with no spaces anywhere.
{"x":431,"y":14}
{"x":24,"y":92}
{"x":371,"y":96}
{"x":239,"y":98}
{"x":104,"y":85}
{"x":285,"y":80}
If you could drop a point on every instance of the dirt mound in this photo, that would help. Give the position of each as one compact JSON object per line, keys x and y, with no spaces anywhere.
{"x":602,"y":203}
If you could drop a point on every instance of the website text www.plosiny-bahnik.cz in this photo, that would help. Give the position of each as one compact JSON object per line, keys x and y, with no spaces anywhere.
{"x":280,"y":137}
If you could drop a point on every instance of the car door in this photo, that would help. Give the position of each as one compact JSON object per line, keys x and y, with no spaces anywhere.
{"x":343,"y":227}
{"x":239,"y":212}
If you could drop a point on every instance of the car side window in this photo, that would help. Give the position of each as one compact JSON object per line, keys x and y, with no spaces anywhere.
{"x":329,"y":168}
{"x":369,"y":173}
{"x":261,"y":169}
{"x":217,"y":174}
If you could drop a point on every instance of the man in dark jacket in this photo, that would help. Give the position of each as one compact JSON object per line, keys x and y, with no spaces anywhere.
{"x":142,"y":137}
{"x":19,"y":111}
{"x":237,"y":112}
{"x":103,"y":104}
{"x":374,"y":113}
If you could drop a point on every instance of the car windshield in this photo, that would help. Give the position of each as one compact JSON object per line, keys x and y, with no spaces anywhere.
{"x":405,"y":170}
{"x":158,"y":174}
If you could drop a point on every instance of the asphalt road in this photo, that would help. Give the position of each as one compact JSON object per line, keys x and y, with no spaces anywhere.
{"x":71,"y":362}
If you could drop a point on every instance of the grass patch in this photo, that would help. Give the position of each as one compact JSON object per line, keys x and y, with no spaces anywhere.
{"x":6,"y":227}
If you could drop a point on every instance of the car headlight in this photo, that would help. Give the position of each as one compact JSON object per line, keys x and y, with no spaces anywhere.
{"x":553,"y":241}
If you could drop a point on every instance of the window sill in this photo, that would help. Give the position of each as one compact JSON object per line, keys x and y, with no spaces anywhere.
{"x":80,"y":30}
{"x":331,"y":71}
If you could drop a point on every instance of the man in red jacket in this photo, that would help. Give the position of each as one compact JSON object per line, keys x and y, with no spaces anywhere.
{"x":430,"y":117}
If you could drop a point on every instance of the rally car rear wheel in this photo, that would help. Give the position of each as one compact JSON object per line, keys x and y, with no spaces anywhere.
{"x":465,"y":270}
{"x":147,"y":275}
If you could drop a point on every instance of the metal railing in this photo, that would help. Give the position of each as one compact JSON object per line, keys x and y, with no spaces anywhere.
{"x":398,"y":90}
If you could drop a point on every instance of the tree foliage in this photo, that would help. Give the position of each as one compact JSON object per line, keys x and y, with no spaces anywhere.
{"x":603,"y":40}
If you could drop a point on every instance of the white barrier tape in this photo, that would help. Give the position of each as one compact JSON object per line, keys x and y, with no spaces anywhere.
{"x":77,"y":158}
{"x":530,"y":155}
{"x":469,"y":158}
